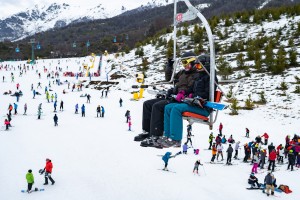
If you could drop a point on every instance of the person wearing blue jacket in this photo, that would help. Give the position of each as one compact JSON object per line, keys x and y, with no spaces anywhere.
{"x":102,"y":111}
{"x":83,"y":110}
{"x":166,"y":158}
{"x":55,"y":105}
{"x":16,"y":108}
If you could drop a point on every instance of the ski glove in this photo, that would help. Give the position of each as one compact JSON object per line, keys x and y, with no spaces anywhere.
{"x":180,"y":95}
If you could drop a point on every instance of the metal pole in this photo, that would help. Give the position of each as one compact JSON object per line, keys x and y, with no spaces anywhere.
{"x":212,"y":54}
{"x":174,"y":32}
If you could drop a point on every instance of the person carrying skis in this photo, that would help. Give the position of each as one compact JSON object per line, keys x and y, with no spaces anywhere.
{"x":55,"y":118}
{"x":166,"y":158}
{"x":120,"y":101}
{"x":266,"y":136}
{"x":252,"y":180}
{"x":196,"y":166}
{"x":210,"y":140}
{"x":30,"y":180}
{"x":98,"y":110}
{"x":229,"y":155}
{"x":48,"y":171}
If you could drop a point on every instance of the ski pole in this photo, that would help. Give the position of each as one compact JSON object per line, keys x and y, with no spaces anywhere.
{"x":204,"y":170}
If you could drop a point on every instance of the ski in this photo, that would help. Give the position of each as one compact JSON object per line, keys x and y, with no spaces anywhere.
{"x":166,"y":170}
{"x":215,"y":163}
{"x":35,"y":190}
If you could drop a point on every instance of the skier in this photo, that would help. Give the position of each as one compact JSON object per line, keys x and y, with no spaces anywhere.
{"x":76,"y":108}
{"x":83,"y":110}
{"x":266,"y":136}
{"x":61,"y":107}
{"x":40,"y":111}
{"x":52,"y":97}
{"x":247,"y":152}
{"x":48,"y":172}
{"x":39,"y":85}
{"x":214,"y":153}
{"x":103,"y":111}
{"x":272,"y":158}
{"x":127,"y":114}
{"x":292,"y":159}
{"x":224,"y":140}
{"x":18,"y":85}
{"x":236,"y":148}
{"x":88,"y":98}
{"x":262,"y":157}
{"x":189,"y":135}
{"x":34,"y":93}
{"x":210,"y":140}
{"x":55,"y":105}
{"x":106,"y":91}
{"x":30,"y":180}
{"x":10,"y":107}
{"x":247,"y":132}
{"x":220,"y":129}
{"x":7,"y":124}
{"x":280,"y":155}
{"x":25,"y":108}
{"x":185,"y":148}
{"x":220,"y":151}
{"x":129,"y":123}
{"x":229,"y":155}
{"x":55,"y":118}
{"x":98,"y":110}
{"x":196,"y":166}
{"x":231,"y":140}
{"x":255,"y":163}
{"x":16,"y":108}
{"x":166,"y":158}
{"x":120,"y":101}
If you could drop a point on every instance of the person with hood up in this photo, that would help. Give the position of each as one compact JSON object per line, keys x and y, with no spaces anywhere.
{"x":166,"y":158}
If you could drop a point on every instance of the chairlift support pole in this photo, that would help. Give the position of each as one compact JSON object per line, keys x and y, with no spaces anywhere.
{"x":194,"y":11}
{"x":32,"y":42}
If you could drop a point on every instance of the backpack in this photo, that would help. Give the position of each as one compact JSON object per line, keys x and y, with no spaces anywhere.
{"x":285,"y":189}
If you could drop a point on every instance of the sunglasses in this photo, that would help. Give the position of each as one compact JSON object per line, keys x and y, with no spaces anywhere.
{"x":187,"y":61}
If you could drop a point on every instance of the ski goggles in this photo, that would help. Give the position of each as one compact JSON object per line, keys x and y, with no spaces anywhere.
{"x":187,"y":61}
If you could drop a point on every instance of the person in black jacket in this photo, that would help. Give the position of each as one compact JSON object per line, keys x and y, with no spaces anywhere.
{"x":153,"y":110}
{"x":55,"y":118}
{"x":269,"y":183}
{"x":229,"y":155}
{"x":253,"y":180}
{"x":292,"y":159}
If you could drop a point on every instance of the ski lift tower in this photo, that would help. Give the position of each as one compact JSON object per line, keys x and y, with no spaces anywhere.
{"x":32,"y":42}
{"x":192,"y":14}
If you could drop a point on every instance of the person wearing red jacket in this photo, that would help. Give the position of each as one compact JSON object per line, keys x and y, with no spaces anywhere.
{"x":266,"y":136}
{"x":6,"y":123}
{"x":272,"y":158}
{"x":48,"y":171}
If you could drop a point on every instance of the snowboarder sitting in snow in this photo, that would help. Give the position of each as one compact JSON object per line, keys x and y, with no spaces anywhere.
{"x":30,"y":180}
{"x":253,"y":180}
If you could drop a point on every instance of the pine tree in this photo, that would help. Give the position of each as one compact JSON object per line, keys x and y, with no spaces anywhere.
{"x":234,"y":107}
{"x":293,"y":57}
{"x":269,"y":58}
{"x":224,"y":68}
{"x":297,"y":89}
{"x":240,"y":61}
{"x":262,"y":99}
{"x":281,"y":62}
{"x":249,"y":105}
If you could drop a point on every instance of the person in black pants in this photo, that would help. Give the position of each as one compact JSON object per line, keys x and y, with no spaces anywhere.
{"x":229,"y":155}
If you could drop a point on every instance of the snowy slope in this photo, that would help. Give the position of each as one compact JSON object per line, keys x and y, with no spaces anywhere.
{"x":96,"y":158}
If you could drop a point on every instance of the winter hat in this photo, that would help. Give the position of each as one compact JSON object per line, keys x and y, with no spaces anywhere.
{"x":29,"y":170}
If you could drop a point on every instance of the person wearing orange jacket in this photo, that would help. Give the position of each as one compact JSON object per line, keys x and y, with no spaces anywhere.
{"x":272,"y":158}
{"x":266,"y":136}
{"x":48,"y":171}
{"x":214,"y":153}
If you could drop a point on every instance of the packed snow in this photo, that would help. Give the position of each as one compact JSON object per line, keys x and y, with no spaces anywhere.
{"x":96,"y":158}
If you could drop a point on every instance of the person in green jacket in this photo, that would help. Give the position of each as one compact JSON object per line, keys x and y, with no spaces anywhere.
{"x":30,"y":180}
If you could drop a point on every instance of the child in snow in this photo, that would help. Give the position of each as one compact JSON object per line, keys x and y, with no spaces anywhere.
{"x":197,"y":163}
{"x":6,"y":123}
{"x":166,"y":158}
{"x":184,"y":148}
{"x":30,"y":180}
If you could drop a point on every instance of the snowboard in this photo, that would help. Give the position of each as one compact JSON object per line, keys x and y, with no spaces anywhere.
{"x":35,"y":190}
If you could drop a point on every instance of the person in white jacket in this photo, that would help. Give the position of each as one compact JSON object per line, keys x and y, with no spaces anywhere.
{"x":236,"y":148}
{"x":220,"y":151}
{"x":280,"y":155}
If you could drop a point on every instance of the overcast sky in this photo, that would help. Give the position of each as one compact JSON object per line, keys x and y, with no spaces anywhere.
{"x":10,"y":7}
